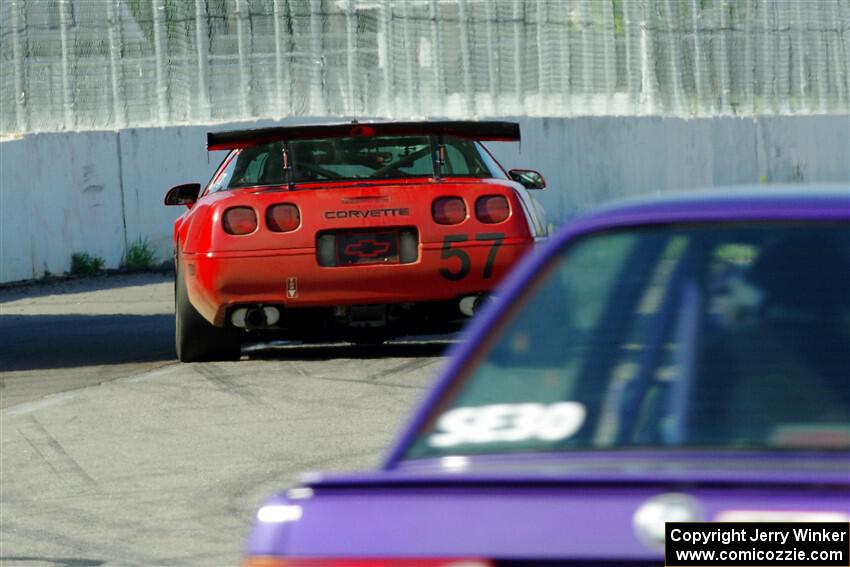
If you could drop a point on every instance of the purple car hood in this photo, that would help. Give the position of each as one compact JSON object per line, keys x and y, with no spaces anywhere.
{"x":581,"y":506}
{"x":618,"y":467}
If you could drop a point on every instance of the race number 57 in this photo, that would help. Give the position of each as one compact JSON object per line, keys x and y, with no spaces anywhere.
{"x":463,"y":265}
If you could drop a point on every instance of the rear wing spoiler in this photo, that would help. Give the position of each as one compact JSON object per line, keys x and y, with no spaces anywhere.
{"x":492,"y":131}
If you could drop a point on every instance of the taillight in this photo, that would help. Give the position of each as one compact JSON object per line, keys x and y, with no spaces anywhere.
{"x":239,"y":220}
{"x":492,"y":209}
{"x":295,"y":562}
{"x":283,"y":218}
{"x":449,"y":210}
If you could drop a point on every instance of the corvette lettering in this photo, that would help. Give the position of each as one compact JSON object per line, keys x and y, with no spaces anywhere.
{"x":371,"y":213}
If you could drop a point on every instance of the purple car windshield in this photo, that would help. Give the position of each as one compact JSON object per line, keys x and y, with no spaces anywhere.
{"x":733,"y":335}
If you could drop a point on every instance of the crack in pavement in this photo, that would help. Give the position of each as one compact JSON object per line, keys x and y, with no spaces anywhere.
{"x":222,"y":381}
{"x":53,"y":453}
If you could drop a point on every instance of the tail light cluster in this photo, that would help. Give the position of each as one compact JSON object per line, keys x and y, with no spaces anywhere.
{"x":395,"y":562}
{"x":449,"y":210}
{"x":492,"y":209}
{"x":489,"y":209}
{"x":284,"y":217}
{"x":239,"y":220}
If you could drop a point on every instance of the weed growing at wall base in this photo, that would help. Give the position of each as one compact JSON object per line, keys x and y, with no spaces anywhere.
{"x":139,"y":256}
{"x":83,"y":263}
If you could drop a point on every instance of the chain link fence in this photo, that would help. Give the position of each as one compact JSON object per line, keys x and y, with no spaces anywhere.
{"x":108,"y":64}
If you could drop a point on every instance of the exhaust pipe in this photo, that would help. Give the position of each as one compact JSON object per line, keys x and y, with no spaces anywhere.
{"x":470,"y":304}
{"x":481,"y":301}
{"x":255,"y":317}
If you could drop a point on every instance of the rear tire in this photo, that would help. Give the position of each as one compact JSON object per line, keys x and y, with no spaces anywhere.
{"x":195,"y":338}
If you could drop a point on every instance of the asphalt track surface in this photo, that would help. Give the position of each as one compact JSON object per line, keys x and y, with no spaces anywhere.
{"x":113,"y":453}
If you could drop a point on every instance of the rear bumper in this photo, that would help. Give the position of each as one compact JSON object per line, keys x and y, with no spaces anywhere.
{"x":217,"y":281}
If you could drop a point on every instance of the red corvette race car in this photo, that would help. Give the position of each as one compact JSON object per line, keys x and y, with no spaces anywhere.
{"x":359,"y":232}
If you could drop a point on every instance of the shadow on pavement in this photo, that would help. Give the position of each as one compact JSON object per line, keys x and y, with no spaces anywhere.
{"x":42,"y":342}
{"x":30,"y":342}
{"x":61,"y":286}
{"x":427,"y":346}
{"x":58,"y":561}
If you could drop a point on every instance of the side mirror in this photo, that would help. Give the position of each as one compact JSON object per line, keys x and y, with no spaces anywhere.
{"x":185,"y":194}
{"x":528,"y":178}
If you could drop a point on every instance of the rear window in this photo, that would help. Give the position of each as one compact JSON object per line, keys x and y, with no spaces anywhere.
{"x":379,"y":157}
{"x":732,"y":336}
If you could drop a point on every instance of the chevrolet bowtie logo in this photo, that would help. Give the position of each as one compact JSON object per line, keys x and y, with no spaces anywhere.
{"x":367,"y":248}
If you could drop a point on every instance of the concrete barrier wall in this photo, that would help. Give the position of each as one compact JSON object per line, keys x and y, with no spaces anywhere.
{"x":98,"y":192}
{"x":590,"y":160}
{"x":59,"y":194}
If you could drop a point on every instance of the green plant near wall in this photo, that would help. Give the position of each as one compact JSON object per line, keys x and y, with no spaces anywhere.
{"x":139,"y":256}
{"x":83,"y":263}
{"x":617,"y":10}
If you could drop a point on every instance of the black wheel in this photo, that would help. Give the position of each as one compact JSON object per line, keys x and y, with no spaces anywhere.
{"x":195,"y":338}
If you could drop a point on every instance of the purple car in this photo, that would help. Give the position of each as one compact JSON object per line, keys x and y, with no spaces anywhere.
{"x":681,"y":358}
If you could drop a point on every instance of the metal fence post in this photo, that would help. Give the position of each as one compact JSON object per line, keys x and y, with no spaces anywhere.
{"x":609,"y":50}
{"x":492,"y":54}
{"x":822,"y":65}
{"x":21,"y":119}
{"x":587,"y":69}
{"x":801,"y":52}
{"x":203,"y":111}
{"x":119,"y":102}
{"x":385,"y":55}
{"x":841,"y":55}
{"x":436,"y":57}
{"x":282,"y":60}
{"x":244,"y":63}
{"x":649,"y":79}
{"x":725,"y":77}
{"x":766,"y":76}
{"x":543,"y":82}
{"x":749,"y":58}
{"x":630,"y":26}
{"x":320,"y":86}
{"x":68,"y":113}
{"x":351,"y":57}
{"x":565,"y":53}
{"x":468,"y":87}
{"x":672,"y":35}
{"x":782,"y":57}
{"x":409,"y":62}
{"x":517,"y":45}
{"x":158,"y":9}
{"x":699,"y":86}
